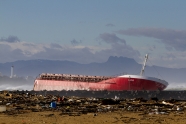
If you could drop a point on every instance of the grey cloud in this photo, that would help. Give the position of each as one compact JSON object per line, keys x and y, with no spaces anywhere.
{"x":4,"y":49}
{"x":111,"y":38}
{"x":58,"y":52}
{"x":8,"y":55}
{"x":169,"y":56}
{"x":173,"y":38}
{"x":54,"y":45}
{"x":152,"y":48}
{"x":18,"y":54}
{"x":118,"y":47}
{"x":10,"y":39}
{"x":75,"y":42}
{"x":84,"y":55}
{"x":78,"y":55}
{"x":28,"y":44}
{"x":119,"y":50}
{"x":110,"y":25}
{"x":169,"y":48}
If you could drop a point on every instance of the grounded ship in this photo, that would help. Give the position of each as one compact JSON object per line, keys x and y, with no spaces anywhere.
{"x":46,"y":81}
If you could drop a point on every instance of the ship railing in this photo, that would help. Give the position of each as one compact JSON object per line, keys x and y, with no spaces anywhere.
{"x":86,"y":78}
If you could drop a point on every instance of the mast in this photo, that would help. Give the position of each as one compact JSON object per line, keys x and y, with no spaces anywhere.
{"x":143,"y":67}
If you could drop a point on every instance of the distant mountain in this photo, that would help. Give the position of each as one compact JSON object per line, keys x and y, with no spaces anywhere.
{"x":112,"y":67}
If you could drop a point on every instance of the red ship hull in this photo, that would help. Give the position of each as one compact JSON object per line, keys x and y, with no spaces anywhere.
{"x":120,"y":83}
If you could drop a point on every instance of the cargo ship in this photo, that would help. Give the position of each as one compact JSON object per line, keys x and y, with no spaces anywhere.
{"x":51,"y":82}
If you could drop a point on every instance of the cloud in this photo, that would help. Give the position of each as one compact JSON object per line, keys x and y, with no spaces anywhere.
{"x":28,"y":45}
{"x":7,"y":53}
{"x":82,"y":54}
{"x":111,"y":38}
{"x":170,"y":59}
{"x":119,"y":50}
{"x":169,"y":48}
{"x":171,"y":38}
{"x":118,"y":47}
{"x":10,"y":52}
{"x":54,"y":45}
{"x":10,"y":39}
{"x":110,"y":25}
{"x":75,"y":42}
{"x":152,"y":48}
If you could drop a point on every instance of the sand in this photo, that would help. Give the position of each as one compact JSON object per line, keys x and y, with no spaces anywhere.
{"x":117,"y":117}
{"x":34,"y":109}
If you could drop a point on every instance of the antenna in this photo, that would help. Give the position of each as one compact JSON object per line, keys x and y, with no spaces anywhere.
{"x":143,"y":67}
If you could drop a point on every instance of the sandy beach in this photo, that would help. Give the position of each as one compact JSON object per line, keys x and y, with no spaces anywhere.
{"x":27,"y":108}
{"x":117,"y":117}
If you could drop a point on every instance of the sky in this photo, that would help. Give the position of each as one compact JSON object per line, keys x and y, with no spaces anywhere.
{"x":88,"y":31}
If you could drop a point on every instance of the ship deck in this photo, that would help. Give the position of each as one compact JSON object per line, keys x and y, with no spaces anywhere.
{"x":69,"y":77}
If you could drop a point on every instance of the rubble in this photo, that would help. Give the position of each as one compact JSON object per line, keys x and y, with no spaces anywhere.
{"x":13,"y":103}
